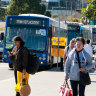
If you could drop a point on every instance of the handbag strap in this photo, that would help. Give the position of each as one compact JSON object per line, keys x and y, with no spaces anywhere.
{"x":26,"y":78}
{"x":78,"y":59}
{"x":66,"y":84}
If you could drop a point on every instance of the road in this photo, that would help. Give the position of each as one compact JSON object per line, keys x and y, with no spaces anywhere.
{"x":43,"y":83}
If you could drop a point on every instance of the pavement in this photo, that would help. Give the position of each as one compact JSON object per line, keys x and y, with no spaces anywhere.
{"x":43,"y":83}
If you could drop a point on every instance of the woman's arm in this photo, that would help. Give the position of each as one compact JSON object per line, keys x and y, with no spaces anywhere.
{"x":25,"y":58}
{"x":67,"y":67}
{"x":89,"y":62}
{"x":11,"y":55}
{"x":64,"y":57}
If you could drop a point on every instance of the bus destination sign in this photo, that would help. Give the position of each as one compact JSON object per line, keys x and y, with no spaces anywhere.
{"x":27,"y":21}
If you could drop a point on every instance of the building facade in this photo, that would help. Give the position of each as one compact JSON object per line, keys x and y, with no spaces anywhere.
{"x":65,"y":4}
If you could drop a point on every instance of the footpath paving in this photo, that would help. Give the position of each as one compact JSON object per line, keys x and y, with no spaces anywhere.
{"x":45,"y":83}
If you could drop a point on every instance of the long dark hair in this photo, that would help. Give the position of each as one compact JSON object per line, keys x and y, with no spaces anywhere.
{"x":18,"y":38}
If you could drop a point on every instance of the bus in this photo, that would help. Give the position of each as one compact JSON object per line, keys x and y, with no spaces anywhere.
{"x":89,"y":32}
{"x":74,"y":30}
{"x":93,"y":31}
{"x":40,"y":34}
{"x":86,"y":32}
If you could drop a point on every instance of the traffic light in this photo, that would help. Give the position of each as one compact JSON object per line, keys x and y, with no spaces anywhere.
{"x":78,"y":28}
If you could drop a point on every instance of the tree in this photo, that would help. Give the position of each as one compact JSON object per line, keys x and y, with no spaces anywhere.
{"x":2,"y":13}
{"x":17,"y":7}
{"x":90,"y":11}
{"x":74,"y":20}
{"x":55,"y":16}
{"x":48,"y":13}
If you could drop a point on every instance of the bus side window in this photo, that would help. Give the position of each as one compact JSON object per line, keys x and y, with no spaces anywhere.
{"x":50,"y":32}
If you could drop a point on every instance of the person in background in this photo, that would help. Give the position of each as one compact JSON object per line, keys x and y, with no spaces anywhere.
{"x":15,"y":56}
{"x":88,"y":48}
{"x":68,"y":49}
{"x":72,"y":69}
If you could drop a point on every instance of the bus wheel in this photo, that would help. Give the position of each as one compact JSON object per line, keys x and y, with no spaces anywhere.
{"x":10,"y":65}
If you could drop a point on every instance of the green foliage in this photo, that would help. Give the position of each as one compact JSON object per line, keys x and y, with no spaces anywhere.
{"x":17,"y":7}
{"x":90,"y":11}
{"x":74,"y":20}
{"x":2,"y":29}
{"x":48,"y":13}
{"x":2,"y":13}
{"x":55,"y":15}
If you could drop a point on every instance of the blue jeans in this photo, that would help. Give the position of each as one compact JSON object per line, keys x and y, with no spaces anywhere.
{"x":75,"y":85}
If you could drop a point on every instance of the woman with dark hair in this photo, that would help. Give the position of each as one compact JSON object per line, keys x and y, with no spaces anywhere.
{"x":19,"y":57}
{"x":72,"y":69}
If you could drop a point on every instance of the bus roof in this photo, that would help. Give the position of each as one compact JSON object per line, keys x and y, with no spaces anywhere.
{"x":75,"y":23}
{"x":52,"y":21}
{"x":89,"y":26}
{"x":34,"y":15}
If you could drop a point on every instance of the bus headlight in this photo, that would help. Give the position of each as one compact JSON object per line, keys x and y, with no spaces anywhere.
{"x":44,"y":58}
{"x":41,"y":62}
{"x":5,"y":56}
{"x":40,"y":58}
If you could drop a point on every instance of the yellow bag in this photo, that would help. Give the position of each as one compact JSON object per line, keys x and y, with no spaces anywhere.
{"x":19,"y":80}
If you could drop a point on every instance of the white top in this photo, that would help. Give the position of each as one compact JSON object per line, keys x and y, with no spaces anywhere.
{"x":88,"y":49}
{"x":69,"y":50}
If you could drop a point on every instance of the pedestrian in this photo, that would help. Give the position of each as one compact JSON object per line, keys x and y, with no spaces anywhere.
{"x":19,"y":64}
{"x":69,"y":48}
{"x":72,"y":69}
{"x":88,"y":48}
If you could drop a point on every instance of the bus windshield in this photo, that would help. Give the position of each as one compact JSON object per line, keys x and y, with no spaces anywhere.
{"x":35,"y":38}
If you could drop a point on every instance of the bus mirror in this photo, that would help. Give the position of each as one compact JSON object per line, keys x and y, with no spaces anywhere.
{"x":2,"y":36}
{"x":50,"y":32}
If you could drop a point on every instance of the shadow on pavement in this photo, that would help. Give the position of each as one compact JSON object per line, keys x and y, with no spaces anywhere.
{"x":11,"y":69}
{"x":55,"y":70}
{"x":93,"y":81}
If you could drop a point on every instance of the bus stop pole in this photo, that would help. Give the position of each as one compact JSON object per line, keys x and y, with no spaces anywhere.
{"x":58,"y":39}
{"x":58,"y":45}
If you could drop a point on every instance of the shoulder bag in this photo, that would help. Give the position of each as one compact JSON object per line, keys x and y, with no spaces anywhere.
{"x":84,"y":76}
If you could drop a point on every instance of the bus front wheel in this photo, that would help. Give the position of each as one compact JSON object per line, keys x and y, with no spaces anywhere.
{"x":10,"y":65}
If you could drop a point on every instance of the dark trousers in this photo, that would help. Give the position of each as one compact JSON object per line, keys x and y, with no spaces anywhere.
{"x":75,"y":85}
{"x":15,"y":74}
{"x":61,"y":64}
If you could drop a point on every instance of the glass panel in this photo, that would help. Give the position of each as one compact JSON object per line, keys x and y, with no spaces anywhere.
{"x":94,"y":37}
{"x":62,"y":33}
{"x":1,"y":44}
{"x":35,"y":39}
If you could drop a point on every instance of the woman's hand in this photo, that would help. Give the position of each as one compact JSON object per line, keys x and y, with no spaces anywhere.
{"x":66,"y":78}
{"x":10,"y":54}
{"x":82,"y":69}
{"x":24,"y":71}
